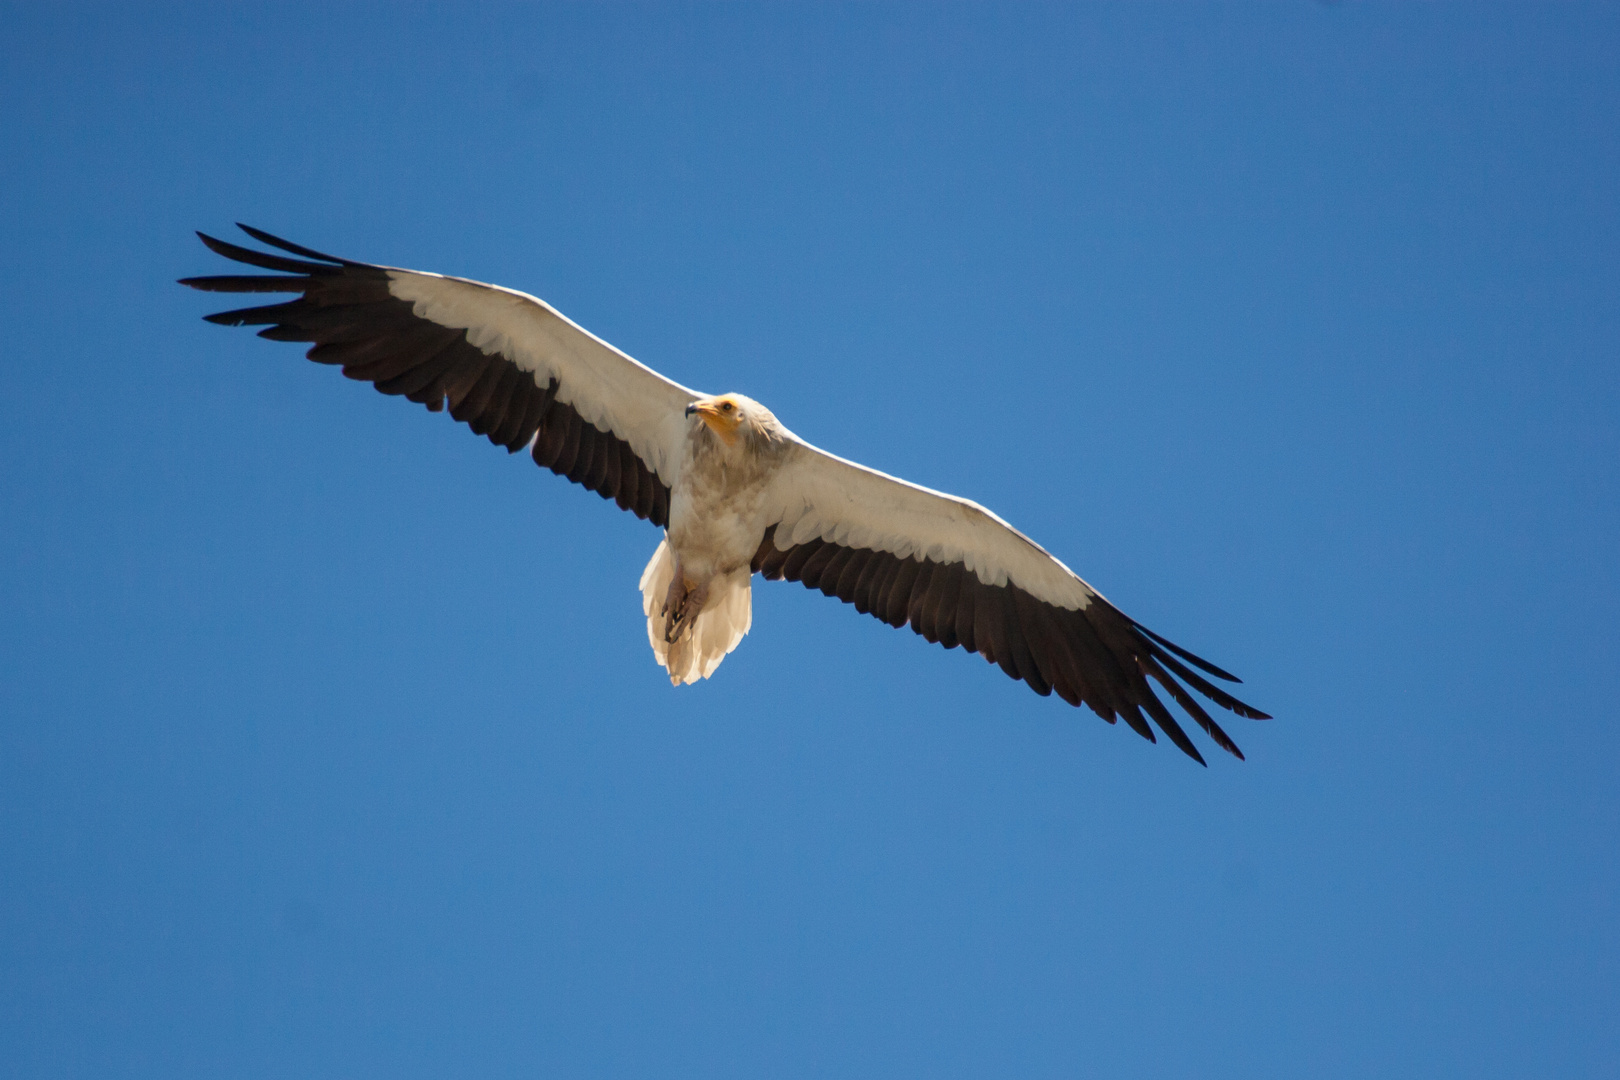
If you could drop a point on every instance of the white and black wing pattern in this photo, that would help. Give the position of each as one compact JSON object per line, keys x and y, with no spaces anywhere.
{"x":506,"y":364}
{"x":959,"y":575}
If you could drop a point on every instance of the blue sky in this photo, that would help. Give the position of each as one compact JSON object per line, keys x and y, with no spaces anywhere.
{"x":330,"y":740}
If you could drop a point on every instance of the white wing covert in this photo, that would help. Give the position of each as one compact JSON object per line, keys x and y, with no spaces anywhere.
{"x":823,"y":496}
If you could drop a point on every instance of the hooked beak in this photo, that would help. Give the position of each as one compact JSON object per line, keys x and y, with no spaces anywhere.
{"x":723,"y":426}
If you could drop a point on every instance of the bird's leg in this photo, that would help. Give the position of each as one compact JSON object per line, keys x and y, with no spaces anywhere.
{"x":674,"y":599}
{"x":681,"y":606}
{"x":673,"y":602}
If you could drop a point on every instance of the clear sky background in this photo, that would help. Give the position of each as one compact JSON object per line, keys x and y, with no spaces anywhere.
{"x":330,"y":741}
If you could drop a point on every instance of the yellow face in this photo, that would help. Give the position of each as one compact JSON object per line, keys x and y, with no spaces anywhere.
{"x":723,"y":414}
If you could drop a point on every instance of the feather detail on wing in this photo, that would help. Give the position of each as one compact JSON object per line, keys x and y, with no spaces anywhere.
{"x":505,"y":363}
{"x":959,"y":575}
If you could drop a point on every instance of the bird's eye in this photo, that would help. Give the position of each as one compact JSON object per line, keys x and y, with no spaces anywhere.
{"x":725,"y":406}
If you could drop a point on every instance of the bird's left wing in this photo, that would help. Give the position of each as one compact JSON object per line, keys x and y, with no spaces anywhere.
{"x":962,"y":576}
{"x":508,"y":365}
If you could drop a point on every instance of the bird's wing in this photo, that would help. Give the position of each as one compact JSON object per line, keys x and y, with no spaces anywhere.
{"x":962,"y":576}
{"x":507,"y":365}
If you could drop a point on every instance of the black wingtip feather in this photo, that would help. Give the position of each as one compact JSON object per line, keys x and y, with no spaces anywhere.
{"x":246,"y":283}
{"x":287,"y":245}
{"x":1209,"y":690}
{"x":260,"y":315}
{"x":1185,"y":655}
{"x":239,"y":317}
{"x":259,"y":258}
{"x":1133,"y":716}
{"x":1150,"y":665}
{"x":1167,"y":723}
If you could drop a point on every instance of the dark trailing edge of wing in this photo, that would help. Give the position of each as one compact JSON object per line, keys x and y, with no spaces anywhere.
{"x":348,"y":316}
{"x":1097,"y":657}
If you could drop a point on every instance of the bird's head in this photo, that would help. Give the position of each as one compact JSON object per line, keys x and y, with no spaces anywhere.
{"x":733,"y":417}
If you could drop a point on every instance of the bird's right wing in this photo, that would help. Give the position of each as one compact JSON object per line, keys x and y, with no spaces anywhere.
{"x":508,"y":365}
{"x":962,"y":576}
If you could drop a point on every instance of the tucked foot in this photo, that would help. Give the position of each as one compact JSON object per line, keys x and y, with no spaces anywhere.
{"x":681,"y":608}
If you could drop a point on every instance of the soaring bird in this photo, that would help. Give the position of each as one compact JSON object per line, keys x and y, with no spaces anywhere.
{"x":735,"y":492}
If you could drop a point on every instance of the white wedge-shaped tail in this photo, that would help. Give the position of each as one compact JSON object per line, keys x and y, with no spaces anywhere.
{"x":726,"y":616}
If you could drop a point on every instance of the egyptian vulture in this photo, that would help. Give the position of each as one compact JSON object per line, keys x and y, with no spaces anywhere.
{"x":735,"y":492}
